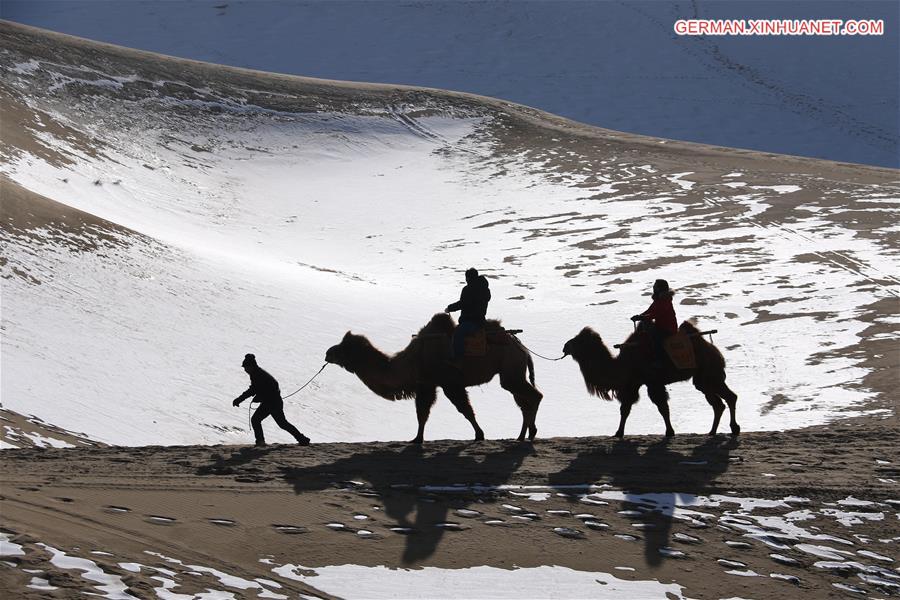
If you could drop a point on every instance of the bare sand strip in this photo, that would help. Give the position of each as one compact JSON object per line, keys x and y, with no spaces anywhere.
{"x":717,"y":516}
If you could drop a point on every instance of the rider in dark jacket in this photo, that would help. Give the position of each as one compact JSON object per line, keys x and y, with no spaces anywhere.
{"x":472,"y":304}
{"x":265,"y":390}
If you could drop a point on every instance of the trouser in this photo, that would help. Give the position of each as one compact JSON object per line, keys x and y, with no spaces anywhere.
{"x":276,"y":411}
{"x":657,"y":338}
{"x":458,"y":346}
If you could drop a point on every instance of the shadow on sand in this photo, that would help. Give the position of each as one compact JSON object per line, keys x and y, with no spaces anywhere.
{"x":397,"y":473}
{"x":417,"y":484}
{"x":652,"y":481}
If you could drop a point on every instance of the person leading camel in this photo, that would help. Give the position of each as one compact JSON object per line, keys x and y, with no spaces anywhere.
{"x":660,"y":318}
{"x":472,"y":304}
{"x":265,"y":390}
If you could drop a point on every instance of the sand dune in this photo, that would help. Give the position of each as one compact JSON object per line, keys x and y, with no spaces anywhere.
{"x":162,"y":217}
{"x":273,"y":213}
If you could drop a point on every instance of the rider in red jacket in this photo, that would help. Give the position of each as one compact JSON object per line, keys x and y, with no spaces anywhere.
{"x":661,"y":313}
{"x":660,"y":316}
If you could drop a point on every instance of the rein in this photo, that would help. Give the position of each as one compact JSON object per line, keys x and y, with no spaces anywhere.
{"x":250,"y":404}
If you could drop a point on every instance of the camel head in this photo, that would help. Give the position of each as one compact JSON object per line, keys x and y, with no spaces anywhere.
{"x":583,"y":344}
{"x":354,"y":352}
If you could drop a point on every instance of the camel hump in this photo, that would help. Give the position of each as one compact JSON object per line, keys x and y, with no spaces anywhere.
{"x":493,"y":325}
{"x":440,"y":323}
{"x":688,"y":328}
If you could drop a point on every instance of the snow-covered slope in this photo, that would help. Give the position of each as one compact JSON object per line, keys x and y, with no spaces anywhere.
{"x":213,"y":211}
{"x":613,"y":64}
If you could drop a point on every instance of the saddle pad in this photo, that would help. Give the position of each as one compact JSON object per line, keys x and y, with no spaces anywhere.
{"x":476,"y":344}
{"x":680,"y":351}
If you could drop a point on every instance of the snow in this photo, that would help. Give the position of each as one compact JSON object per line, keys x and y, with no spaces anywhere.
{"x":474,"y":582}
{"x":836,"y":97}
{"x":110,"y":586}
{"x":296,"y":227}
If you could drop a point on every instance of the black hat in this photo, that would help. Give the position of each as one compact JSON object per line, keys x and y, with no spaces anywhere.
{"x":249,"y":359}
{"x":660,"y":285}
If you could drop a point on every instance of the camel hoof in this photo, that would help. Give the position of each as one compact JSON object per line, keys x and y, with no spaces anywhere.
{"x":620,"y":434}
{"x":670,"y":433}
{"x":479,"y":437}
{"x":416,"y":441}
{"x":735,"y":429}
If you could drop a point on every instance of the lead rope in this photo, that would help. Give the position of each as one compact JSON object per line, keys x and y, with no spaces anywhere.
{"x":250,"y":404}
{"x":530,"y":351}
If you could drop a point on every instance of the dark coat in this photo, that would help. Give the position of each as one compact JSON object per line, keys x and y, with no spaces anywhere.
{"x":263,"y":386}
{"x":473,"y":301}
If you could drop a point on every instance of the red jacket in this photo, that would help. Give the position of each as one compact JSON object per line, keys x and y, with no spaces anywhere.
{"x":662,"y":314}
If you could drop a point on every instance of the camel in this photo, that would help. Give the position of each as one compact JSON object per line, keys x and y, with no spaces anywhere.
{"x":420,"y":368}
{"x":622,"y":376}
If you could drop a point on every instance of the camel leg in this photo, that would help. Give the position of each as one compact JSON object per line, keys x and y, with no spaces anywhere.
{"x":731,"y":399}
{"x":460,"y":399}
{"x":425,"y":397}
{"x":626,"y":399}
{"x":528,"y":399}
{"x":660,"y":397}
{"x":718,"y":408}
{"x":529,"y":407}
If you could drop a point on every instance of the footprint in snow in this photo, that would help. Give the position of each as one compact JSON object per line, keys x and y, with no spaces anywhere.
{"x":687,"y":539}
{"x":785,"y":560}
{"x":116,"y":509}
{"x":731,"y":564}
{"x":451,"y":526}
{"x":567,"y":532}
{"x":403,"y":530}
{"x":849,"y":588}
{"x":222,"y":522}
{"x":738,"y":545}
{"x":289,"y":529}
{"x":161,"y":520}
{"x":783,"y":577}
{"x":467,"y":513}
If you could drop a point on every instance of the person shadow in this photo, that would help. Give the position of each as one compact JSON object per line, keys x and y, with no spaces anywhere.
{"x":235,"y":462}
{"x":654,"y":479}
{"x":419,"y":486}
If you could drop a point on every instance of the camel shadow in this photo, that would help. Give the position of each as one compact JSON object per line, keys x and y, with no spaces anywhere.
{"x":653,"y":482}
{"x":412,"y":481}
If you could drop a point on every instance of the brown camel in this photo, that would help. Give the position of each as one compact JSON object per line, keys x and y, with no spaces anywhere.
{"x":622,"y":376}
{"x":420,"y":368}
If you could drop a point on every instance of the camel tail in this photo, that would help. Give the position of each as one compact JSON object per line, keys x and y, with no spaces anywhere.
{"x":530,"y":369}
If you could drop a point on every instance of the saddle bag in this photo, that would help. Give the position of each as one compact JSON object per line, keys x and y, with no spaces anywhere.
{"x":680,"y":351}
